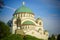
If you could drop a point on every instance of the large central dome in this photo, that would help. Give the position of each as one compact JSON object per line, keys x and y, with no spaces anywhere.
{"x":23,"y":9}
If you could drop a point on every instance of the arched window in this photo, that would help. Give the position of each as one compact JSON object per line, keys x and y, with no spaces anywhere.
{"x":40,"y":23}
{"x":21,"y":15}
{"x":32,"y":32}
{"x":28,"y":27}
{"x":24,"y":14}
{"x":39,"y":29}
{"x":36,"y":21}
{"x":15,"y":22}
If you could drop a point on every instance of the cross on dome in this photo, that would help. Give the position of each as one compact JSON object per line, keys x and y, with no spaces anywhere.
{"x":23,"y":3}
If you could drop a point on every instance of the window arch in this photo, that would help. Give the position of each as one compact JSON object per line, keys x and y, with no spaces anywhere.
{"x":40,"y":23}
{"x":39,"y":29}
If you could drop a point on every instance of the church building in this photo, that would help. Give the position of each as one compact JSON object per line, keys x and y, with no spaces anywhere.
{"x":24,"y":23}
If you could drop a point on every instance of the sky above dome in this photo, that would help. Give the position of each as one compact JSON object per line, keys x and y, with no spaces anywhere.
{"x":47,"y":10}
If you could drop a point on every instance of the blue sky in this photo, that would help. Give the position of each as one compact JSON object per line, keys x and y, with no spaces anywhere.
{"x":48,"y":10}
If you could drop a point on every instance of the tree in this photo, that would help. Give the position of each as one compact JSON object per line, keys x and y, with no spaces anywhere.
{"x":14,"y":37}
{"x":4,"y":30}
{"x":58,"y":37}
{"x":9,"y":23}
{"x":49,"y":38}
{"x":52,"y":37}
{"x":28,"y":37}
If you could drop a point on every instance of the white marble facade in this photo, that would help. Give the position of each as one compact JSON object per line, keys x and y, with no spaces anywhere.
{"x":32,"y":26}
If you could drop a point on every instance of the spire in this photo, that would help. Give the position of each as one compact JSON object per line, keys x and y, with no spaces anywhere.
{"x":23,"y":3}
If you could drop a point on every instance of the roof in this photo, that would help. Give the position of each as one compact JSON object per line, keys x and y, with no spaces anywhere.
{"x":28,"y":22}
{"x":45,"y":31}
{"x":39,"y":18}
{"x":23,"y":9}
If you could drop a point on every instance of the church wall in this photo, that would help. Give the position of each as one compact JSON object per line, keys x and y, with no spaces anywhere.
{"x":36,"y":34}
{"x":28,"y":27}
{"x":34,"y":30}
{"x":39,"y":22}
{"x":14,"y":27}
{"x":31,"y":27}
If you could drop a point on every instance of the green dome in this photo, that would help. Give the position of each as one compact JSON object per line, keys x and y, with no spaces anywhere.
{"x":28,"y":22}
{"x":23,"y":9}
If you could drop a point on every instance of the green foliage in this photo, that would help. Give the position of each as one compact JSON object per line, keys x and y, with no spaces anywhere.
{"x":28,"y":37}
{"x":52,"y":37}
{"x":58,"y":37}
{"x":20,"y":37}
{"x":4,"y":30}
{"x":14,"y":37}
{"x":5,"y":34}
{"x":9,"y":23}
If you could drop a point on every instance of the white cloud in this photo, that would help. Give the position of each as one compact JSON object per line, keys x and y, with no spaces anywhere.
{"x":52,"y":25}
{"x":10,"y":8}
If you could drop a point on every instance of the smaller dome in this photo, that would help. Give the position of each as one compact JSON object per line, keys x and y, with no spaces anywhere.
{"x":23,"y":9}
{"x":45,"y":31}
{"x":28,"y":22}
{"x":38,"y":18}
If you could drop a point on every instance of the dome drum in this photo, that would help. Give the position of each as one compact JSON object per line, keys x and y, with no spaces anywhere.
{"x":24,"y":14}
